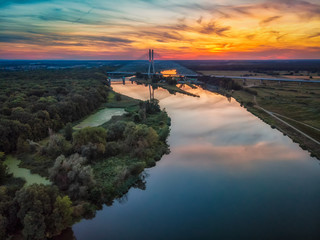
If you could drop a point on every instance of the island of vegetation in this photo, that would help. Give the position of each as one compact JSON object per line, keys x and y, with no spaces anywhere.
{"x":87,"y":167}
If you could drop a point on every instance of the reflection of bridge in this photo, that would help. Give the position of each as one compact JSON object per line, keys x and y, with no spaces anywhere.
{"x":133,"y":73}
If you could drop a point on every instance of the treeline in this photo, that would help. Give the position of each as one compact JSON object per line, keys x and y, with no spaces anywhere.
{"x":41,"y":211}
{"x":34,"y":101}
{"x":226,"y":83}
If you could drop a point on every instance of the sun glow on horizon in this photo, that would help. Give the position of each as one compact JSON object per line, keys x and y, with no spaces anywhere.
{"x":170,"y":72}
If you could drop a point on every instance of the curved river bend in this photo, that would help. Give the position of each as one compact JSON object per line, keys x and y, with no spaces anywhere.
{"x":228,"y":176}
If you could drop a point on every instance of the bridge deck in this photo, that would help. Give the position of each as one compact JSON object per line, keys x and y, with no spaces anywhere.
{"x":235,"y":77}
{"x":133,"y":73}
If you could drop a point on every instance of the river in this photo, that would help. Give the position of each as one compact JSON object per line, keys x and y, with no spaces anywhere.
{"x":228,"y":176}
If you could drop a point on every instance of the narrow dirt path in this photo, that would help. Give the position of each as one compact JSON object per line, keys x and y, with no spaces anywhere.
{"x":284,"y":122}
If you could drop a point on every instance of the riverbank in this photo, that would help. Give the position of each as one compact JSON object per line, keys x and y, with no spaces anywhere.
{"x":89,"y":166}
{"x":291,"y":108}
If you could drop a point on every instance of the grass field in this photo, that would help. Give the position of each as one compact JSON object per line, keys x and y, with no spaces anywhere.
{"x":275,"y":74}
{"x":298,"y":105}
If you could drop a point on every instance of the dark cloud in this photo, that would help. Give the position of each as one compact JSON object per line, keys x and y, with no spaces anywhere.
{"x":281,"y":36}
{"x":304,"y":9}
{"x":194,"y":6}
{"x":244,"y":10}
{"x":70,"y":15}
{"x":161,"y":35}
{"x":269,"y":19}
{"x":13,"y":38}
{"x":61,"y":40}
{"x":199,"y":20}
{"x":222,"y":13}
{"x":213,"y":28}
{"x":174,"y":27}
{"x":314,"y":35}
{"x":251,"y":36}
{"x":9,"y":2}
{"x":106,"y":39}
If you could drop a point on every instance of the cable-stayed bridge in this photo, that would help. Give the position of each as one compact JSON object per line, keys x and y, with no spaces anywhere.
{"x":162,"y":67}
{"x":148,"y":65}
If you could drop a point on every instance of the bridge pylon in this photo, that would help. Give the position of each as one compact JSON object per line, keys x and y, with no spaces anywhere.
{"x":151,"y":63}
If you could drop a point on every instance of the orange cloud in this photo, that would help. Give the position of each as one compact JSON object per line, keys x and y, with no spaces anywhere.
{"x":260,"y":30}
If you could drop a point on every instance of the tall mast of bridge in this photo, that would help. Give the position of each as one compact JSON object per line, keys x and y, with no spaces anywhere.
{"x":151,"y":63}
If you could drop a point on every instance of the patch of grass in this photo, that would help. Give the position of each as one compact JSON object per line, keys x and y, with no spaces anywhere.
{"x":309,"y":131}
{"x":114,"y":176}
{"x":298,"y":102}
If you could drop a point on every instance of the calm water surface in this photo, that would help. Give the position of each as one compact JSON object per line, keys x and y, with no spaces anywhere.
{"x":228,"y":176}
{"x":13,"y":168}
{"x":99,"y":118}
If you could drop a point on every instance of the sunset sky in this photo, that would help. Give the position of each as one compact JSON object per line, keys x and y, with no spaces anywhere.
{"x":176,"y":29}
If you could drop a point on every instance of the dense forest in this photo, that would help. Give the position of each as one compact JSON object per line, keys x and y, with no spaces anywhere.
{"x":33,"y":101}
{"x":87,"y":167}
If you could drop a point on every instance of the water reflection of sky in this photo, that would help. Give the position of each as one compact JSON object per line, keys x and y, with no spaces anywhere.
{"x":212,"y":120}
{"x":228,"y":176}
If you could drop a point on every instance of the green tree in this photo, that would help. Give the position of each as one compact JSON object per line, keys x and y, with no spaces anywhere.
{"x":164,"y":133}
{"x":72,"y":176}
{"x":62,"y":214}
{"x":42,"y":211}
{"x":22,"y":145}
{"x":94,"y":135}
{"x":56,"y":146}
{"x":34,"y":226}
{"x":116,"y":130}
{"x":140,"y":140}
{"x":3,"y":168}
{"x":3,"y":172}
{"x":68,"y":132}
{"x":3,"y":225}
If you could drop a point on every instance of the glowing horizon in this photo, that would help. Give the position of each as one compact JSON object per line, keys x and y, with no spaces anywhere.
{"x":176,"y":29}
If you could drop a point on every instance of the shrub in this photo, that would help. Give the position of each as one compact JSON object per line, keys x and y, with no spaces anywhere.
{"x":249,"y":104}
{"x":116,"y":130}
{"x":140,"y":139}
{"x":152,"y":106}
{"x":164,"y":133}
{"x":118,"y":97}
{"x":68,"y":132}
{"x":95,"y":135}
{"x":72,"y":176}
{"x":254,"y":92}
{"x":56,"y":146}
